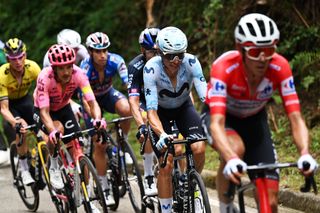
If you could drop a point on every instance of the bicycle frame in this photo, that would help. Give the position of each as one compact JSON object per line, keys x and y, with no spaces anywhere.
{"x":260,"y":185}
{"x":74,"y":160}
{"x":190,"y":168}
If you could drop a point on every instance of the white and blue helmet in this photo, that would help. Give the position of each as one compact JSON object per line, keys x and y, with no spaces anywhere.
{"x":147,"y":38}
{"x":171,"y":40}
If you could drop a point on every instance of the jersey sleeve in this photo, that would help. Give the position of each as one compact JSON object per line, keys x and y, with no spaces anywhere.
{"x":36,"y":70}
{"x":123,"y":71}
{"x":287,"y":88}
{"x":133,"y":80}
{"x":198,"y":78}
{"x":41,"y":93}
{"x":3,"y":86}
{"x":150,"y":87}
{"x":84,"y":84}
{"x":217,"y":90}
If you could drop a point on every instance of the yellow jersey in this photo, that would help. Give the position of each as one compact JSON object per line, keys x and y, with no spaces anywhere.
{"x":10,"y":87}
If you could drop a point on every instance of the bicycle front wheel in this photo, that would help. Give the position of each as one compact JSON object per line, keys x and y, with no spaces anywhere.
{"x":62,"y":199}
{"x":91,"y":189}
{"x":28,"y":194}
{"x":133,"y":180}
{"x":198,"y":194}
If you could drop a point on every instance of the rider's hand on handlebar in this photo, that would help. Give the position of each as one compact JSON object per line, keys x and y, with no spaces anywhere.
{"x":234,"y":169}
{"x":307,"y":158}
{"x":142,"y":132}
{"x":164,"y":137}
{"x":54,"y":136}
{"x":99,"y":123}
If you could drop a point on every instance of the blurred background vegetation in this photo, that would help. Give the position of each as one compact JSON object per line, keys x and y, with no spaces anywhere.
{"x":209,"y":26}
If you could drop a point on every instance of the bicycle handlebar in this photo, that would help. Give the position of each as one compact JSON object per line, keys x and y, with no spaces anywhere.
{"x":171,"y":143}
{"x":118,"y":120}
{"x":77,"y":133}
{"x":18,"y":128}
{"x":309,"y":181}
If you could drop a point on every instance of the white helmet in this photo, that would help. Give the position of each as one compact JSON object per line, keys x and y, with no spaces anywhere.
{"x":257,"y":29}
{"x":172,"y":40}
{"x":98,"y":40}
{"x":69,"y":37}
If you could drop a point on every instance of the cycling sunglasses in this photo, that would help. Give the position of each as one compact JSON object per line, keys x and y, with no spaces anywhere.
{"x":16,"y":57}
{"x":254,"y":53}
{"x":152,"y":52}
{"x":173,"y":57}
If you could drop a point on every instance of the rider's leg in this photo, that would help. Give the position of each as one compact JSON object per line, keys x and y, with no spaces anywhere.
{"x":198,"y":150}
{"x":222,"y":183}
{"x":165,"y":185}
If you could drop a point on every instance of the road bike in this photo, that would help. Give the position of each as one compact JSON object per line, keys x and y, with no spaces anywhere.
{"x":36,"y":158}
{"x":81,"y":183}
{"x":126,"y":166}
{"x":189,"y":192}
{"x":260,"y":187}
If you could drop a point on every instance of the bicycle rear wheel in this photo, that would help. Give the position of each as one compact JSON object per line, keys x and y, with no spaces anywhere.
{"x":133,"y":181}
{"x":198,"y":194}
{"x":28,"y":194}
{"x":91,"y":190}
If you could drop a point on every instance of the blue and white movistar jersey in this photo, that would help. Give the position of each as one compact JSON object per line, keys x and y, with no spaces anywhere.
{"x":115,"y":63}
{"x":159,"y":90}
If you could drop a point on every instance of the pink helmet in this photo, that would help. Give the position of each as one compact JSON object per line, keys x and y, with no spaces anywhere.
{"x":61,"y":54}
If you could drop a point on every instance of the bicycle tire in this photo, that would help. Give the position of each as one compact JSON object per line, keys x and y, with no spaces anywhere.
{"x":28,"y":194}
{"x":134,"y":181}
{"x":115,"y":185}
{"x":198,"y":194}
{"x":62,"y":198}
{"x":95,"y":192}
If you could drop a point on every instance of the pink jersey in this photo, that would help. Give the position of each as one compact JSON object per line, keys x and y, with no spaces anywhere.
{"x":48,"y":92}
{"x":228,"y":88}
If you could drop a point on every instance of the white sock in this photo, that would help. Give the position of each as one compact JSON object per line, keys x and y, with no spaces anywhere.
{"x":166,"y":204}
{"x":147,"y":164}
{"x":227,"y":208}
{"x":104,"y":182}
{"x":54,"y":162}
{"x":125,"y":137}
{"x":24,"y":164}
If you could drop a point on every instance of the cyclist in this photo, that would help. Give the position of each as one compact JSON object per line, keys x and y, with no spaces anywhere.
{"x":16,"y":105}
{"x":53,"y":113}
{"x":73,"y":39}
{"x":168,"y":80}
{"x":241,"y":83}
{"x":147,"y":41}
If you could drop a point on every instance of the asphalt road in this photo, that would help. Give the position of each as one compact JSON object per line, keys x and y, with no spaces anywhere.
{"x":11,"y":202}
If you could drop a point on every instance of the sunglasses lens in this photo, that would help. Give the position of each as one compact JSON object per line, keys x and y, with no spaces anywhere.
{"x":16,"y":57}
{"x":172,"y":57}
{"x":254,"y":52}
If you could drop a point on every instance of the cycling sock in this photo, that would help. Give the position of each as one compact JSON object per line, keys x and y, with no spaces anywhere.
{"x":24,"y":164}
{"x":147,"y":164}
{"x":166,"y":204}
{"x":228,"y":208}
{"x":104,"y":182}
{"x":54,"y":162}
{"x":125,"y":136}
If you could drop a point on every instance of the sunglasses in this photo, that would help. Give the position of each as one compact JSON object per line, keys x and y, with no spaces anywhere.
{"x":254,"y":53}
{"x":16,"y":57}
{"x":173,"y":57}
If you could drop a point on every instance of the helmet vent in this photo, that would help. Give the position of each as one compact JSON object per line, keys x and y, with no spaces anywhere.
{"x":241,"y":30}
{"x":262,"y":27}
{"x":271,"y":28}
{"x":251,"y":29}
